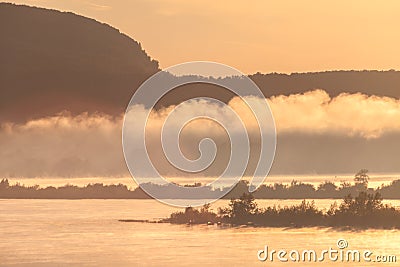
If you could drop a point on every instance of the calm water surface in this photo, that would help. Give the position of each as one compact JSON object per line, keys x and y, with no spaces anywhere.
{"x":87,"y":233}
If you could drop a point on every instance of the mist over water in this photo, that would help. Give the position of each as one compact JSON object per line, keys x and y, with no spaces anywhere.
{"x":317,"y":134}
{"x":87,"y":232}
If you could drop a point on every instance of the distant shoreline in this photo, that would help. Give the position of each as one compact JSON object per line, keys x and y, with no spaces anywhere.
{"x":295,"y":190}
{"x":377,"y":179}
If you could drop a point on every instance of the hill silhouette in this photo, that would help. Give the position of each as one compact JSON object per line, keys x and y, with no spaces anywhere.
{"x":369,"y":82}
{"x":53,"y":61}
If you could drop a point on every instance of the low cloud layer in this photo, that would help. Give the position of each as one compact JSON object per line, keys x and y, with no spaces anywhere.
{"x":62,"y":146}
{"x":316,"y":134}
{"x":346,"y":114}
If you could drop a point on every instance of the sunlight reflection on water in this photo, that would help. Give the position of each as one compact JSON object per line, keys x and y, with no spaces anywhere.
{"x":87,"y":232}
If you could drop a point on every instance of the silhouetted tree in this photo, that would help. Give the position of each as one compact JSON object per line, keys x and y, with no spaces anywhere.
{"x":4,"y":184}
{"x":327,"y":186}
{"x":361,"y":205}
{"x":240,"y":210}
{"x":362,"y":178}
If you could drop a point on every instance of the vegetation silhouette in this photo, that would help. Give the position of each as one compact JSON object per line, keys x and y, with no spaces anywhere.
{"x":361,"y":212}
{"x":362,"y":177}
{"x":295,"y":190}
{"x":194,"y":216}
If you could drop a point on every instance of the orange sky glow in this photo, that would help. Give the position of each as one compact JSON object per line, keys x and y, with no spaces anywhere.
{"x":266,"y":36}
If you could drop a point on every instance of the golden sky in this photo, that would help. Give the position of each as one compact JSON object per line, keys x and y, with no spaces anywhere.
{"x":266,"y":36}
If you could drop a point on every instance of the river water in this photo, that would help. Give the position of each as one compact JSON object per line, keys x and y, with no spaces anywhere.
{"x":88,"y":233}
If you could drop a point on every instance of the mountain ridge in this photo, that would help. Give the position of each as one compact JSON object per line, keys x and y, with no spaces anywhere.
{"x":53,"y":61}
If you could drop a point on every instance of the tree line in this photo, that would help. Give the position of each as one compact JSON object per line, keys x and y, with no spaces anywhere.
{"x":294,"y":190}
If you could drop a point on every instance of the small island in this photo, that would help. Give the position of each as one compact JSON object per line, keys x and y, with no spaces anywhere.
{"x":361,"y":212}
